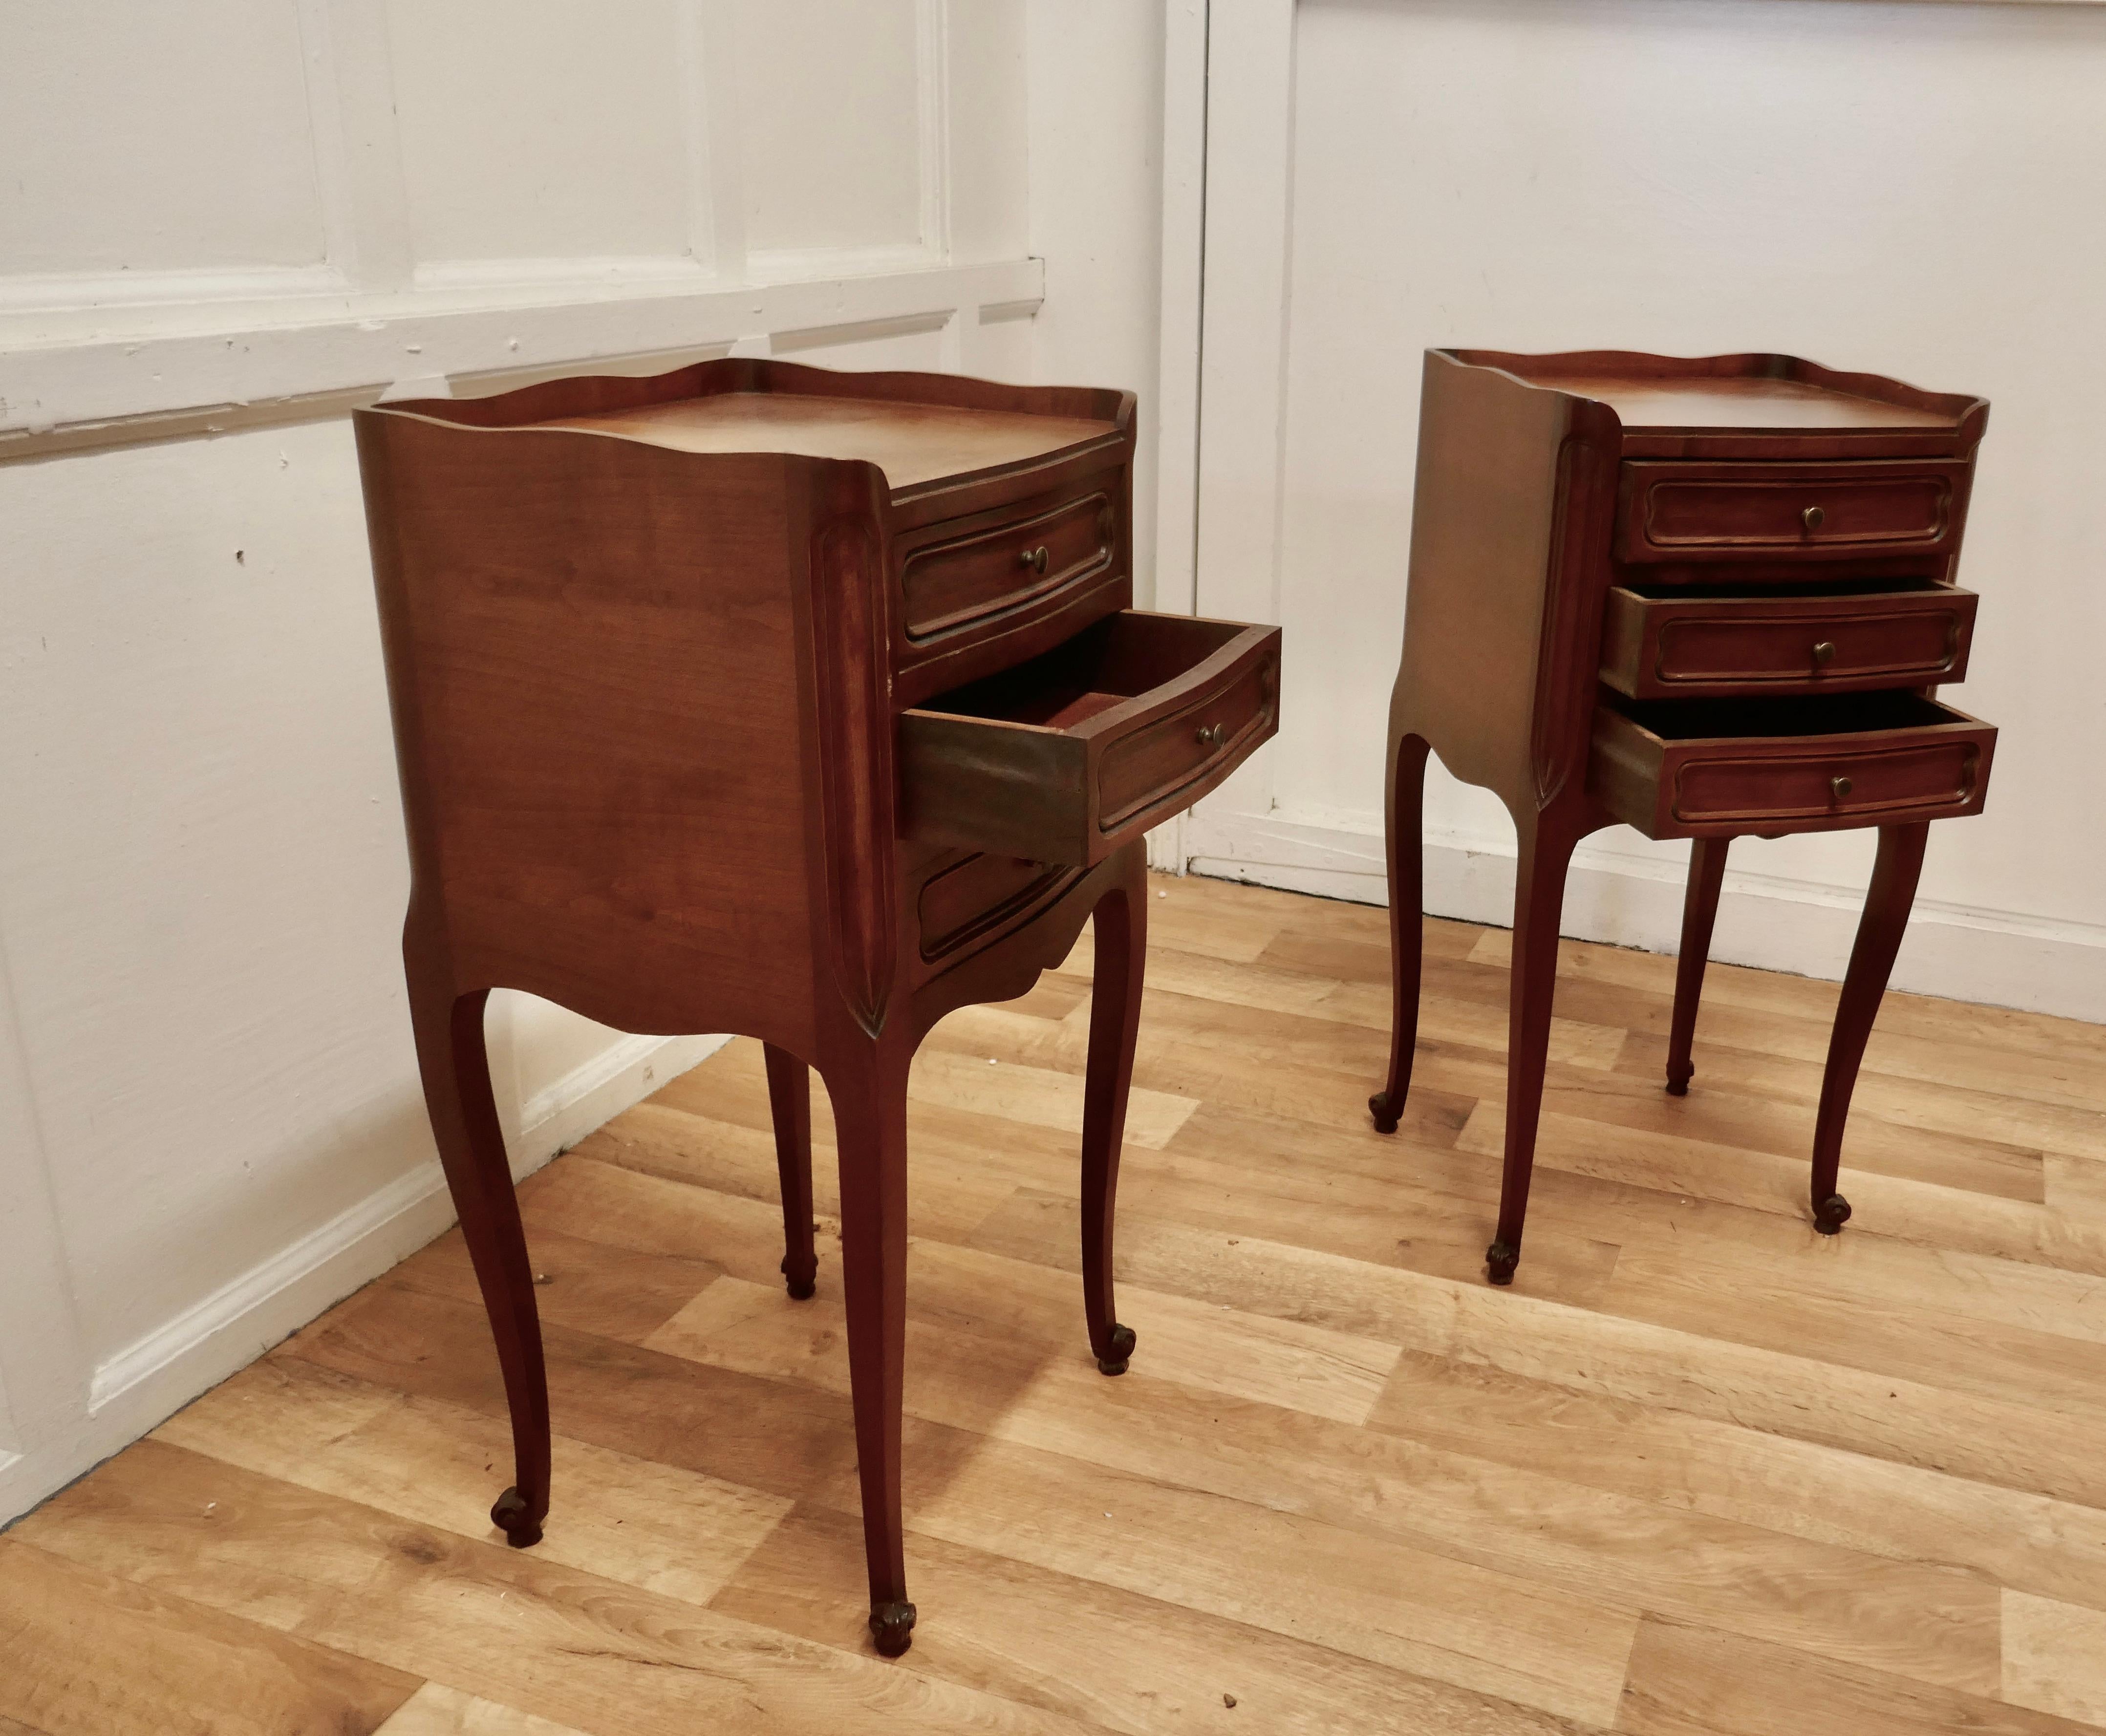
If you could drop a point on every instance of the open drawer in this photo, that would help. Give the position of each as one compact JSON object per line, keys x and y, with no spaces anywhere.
{"x":1718,"y":767}
{"x":1067,"y":757}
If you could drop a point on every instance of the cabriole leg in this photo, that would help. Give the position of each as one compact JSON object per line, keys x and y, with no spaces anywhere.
{"x":1879,"y":933}
{"x":868,"y":1087}
{"x":1539,"y":902}
{"x":1700,"y":910}
{"x":790,"y":1101}
{"x":1120,"y":926}
{"x":456,"y":1075}
{"x":1406,"y":850}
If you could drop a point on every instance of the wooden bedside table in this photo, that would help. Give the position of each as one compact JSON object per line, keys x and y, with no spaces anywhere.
{"x":1704,"y":597}
{"x":808,"y":706}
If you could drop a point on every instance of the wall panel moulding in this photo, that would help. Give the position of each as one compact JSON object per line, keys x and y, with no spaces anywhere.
{"x":101,"y":388}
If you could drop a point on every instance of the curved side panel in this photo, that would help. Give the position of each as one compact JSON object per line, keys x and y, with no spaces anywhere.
{"x":595,"y":665}
{"x":1484,"y":542}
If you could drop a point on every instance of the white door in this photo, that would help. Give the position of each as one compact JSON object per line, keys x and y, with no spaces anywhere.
{"x":1883,"y":187}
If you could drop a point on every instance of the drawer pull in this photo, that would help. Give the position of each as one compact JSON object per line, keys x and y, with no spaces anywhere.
{"x":1034,"y":558}
{"x":1824,"y":654}
{"x":1212,"y":736}
{"x":1812,"y":516}
{"x":1840,"y":786}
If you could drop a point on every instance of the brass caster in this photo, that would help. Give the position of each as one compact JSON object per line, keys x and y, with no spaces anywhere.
{"x":892,"y":1628}
{"x":1831,"y":1214}
{"x":1500,"y":1260}
{"x":1115,"y":1360}
{"x":510,"y":1514}
{"x":1385,"y":1116}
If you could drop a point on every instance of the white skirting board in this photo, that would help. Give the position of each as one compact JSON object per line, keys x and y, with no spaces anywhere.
{"x":150,"y":1380}
{"x":1990,"y":957}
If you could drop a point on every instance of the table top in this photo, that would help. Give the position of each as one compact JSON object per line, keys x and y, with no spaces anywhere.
{"x":911,"y":443}
{"x":1742,"y":404}
{"x":1664,"y":401}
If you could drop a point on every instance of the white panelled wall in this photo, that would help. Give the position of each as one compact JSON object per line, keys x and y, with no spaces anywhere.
{"x":221,"y":225}
{"x":1905,"y":189}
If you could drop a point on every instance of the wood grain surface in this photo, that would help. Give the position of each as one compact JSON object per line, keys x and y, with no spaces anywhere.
{"x":935,"y":440}
{"x":1700,"y":1470}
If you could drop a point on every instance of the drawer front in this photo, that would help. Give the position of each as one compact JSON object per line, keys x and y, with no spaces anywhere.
{"x":1850,"y":785}
{"x":1653,"y":647}
{"x":1148,"y":768}
{"x":979,"y":894}
{"x":950,"y":585}
{"x":1064,"y":759}
{"x":1681,"y":511}
{"x":1919,"y":761}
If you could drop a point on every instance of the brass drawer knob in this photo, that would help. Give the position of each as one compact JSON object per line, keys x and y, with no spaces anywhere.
{"x":1213,"y":736}
{"x":1811,"y":517}
{"x":1824,"y":654}
{"x":1034,"y":558}
{"x":1839,"y":787}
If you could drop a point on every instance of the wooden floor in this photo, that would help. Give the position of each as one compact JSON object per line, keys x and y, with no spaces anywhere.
{"x":1700,"y":1471}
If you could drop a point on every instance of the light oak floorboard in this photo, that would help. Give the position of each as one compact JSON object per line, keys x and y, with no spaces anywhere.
{"x":91,"y":1651}
{"x":1700,"y":1470}
{"x":1687,"y":1681}
{"x":2054,"y":1657}
{"x":436,"y":1711}
{"x":499,"y":1623}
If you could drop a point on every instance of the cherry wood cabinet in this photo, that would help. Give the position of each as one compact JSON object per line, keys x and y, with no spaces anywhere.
{"x":808,"y":706}
{"x":1706,"y":598}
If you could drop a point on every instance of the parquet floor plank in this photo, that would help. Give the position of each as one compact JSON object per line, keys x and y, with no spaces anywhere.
{"x":1699,"y":1470}
{"x":88,"y":1653}
{"x":647,"y":1524}
{"x":1131,"y":1663}
{"x":496,"y":1622}
{"x":1686,"y":1681}
{"x":2055,"y":1656}
{"x":436,"y":1711}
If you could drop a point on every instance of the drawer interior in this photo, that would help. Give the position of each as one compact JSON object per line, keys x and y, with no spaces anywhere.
{"x":1825,"y":714}
{"x":1121,"y":658}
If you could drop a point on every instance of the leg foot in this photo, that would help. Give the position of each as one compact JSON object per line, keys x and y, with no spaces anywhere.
{"x":892,"y":1628}
{"x":802,"y":1286}
{"x":1386,"y":1116}
{"x":511,"y":1515}
{"x":1114,"y":1361}
{"x":1500,"y":1260}
{"x":1677,"y":1084}
{"x":1831,"y":1214}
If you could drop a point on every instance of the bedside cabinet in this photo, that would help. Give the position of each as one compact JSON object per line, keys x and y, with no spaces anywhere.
{"x":808,"y":706}
{"x":1705,"y":598}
